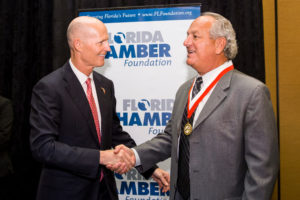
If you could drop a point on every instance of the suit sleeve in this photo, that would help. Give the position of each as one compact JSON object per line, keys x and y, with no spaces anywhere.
{"x":46,"y":148}
{"x":261,"y":146}
{"x":157,"y":149}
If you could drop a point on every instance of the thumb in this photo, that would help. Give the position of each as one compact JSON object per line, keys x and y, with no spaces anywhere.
{"x":118,"y":148}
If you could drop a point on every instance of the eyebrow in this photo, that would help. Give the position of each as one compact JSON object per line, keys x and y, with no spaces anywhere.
{"x":105,"y":39}
{"x":192,"y":32}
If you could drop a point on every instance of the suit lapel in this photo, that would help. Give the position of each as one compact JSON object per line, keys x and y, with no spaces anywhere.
{"x":217,"y":96}
{"x":74,"y":88}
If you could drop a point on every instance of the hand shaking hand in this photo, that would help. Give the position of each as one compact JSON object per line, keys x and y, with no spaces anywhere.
{"x":127,"y":160}
{"x":118,"y":160}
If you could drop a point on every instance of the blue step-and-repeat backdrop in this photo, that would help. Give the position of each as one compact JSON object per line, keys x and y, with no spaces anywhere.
{"x":147,"y":65}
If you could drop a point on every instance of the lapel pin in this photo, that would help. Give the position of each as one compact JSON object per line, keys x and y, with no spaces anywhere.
{"x":103,"y":90}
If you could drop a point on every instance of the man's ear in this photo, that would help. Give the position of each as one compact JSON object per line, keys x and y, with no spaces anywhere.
{"x":220,"y":44}
{"x":77,"y":44}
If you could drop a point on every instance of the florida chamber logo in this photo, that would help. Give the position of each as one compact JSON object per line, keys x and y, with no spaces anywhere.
{"x":140,"y":49}
{"x":152,"y":113}
{"x":133,"y":186}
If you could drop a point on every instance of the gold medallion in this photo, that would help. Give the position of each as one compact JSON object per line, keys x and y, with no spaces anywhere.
{"x":187,"y":129}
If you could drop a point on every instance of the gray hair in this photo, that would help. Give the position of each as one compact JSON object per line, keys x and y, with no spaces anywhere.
{"x":223,"y":28}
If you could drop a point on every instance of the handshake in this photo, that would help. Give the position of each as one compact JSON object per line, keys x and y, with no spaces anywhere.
{"x":122,"y":159}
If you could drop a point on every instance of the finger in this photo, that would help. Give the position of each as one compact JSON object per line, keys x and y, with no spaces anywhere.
{"x":131,"y":157}
{"x":127,"y":158}
{"x":160,"y":174}
{"x":113,"y":167}
{"x":110,"y":167}
{"x":160,"y":184}
{"x":117,"y":148}
{"x":164,"y":181}
{"x":125,"y":148}
{"x":125,"y":170}
{"x":167,"y":176}
{"x":165,"y":189}
{"x":122,"y":168}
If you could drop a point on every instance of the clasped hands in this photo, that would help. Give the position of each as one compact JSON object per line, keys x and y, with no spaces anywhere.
{"x":122,"y":159}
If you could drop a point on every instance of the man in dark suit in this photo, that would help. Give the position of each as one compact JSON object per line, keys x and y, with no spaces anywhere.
{"x":6,"y":167}
{"x":74,"y":122}
{"x":222,"y":136}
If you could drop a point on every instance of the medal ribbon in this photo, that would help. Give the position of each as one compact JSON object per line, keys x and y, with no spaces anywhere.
{"x":192,"y":110}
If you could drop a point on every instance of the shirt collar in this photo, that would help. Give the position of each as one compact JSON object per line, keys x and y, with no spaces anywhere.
{"x":211,"y":75}
{"x":81,"y":76}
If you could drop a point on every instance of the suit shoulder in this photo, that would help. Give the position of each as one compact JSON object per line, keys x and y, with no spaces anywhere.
{"x":50,"y":83}
{"x":186,"y":84}
{"x":247,"y":85}
{"x":182,"y":88}
{"x":244,"y":80}
{"x":53,"y":78}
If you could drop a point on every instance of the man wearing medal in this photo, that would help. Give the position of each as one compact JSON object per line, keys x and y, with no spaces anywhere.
{"x":224,"y":135}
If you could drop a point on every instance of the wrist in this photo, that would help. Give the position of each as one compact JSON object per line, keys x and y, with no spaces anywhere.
{"x":137,"y":160}
{"x":104,"y":157}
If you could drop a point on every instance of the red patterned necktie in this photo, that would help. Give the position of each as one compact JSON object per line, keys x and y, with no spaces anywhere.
{"x":94,"y":112}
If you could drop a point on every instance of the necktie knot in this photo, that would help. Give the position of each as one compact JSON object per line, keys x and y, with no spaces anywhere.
{"x":197,"y":86}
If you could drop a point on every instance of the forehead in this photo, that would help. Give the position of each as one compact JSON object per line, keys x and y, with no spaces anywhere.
{"x":97,"y":31}
{"x":202,"y":23}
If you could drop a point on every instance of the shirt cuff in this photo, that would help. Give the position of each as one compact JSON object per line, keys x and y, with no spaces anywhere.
{"x":137,"y":158}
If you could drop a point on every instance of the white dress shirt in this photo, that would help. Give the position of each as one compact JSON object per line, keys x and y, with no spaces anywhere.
{"x":207,"y":78}
{"x":82,"y":79}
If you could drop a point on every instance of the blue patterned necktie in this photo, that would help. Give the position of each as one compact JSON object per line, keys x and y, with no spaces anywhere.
{"x":197,"y":86}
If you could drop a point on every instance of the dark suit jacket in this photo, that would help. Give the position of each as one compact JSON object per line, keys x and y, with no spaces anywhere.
{"x":6,"y":122}
{"x":63,"y":136}
{"x":233,"y":146}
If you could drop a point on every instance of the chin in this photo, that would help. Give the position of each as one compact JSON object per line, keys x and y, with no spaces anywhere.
{"x":188,"y":62}
{"x":100,"y":64}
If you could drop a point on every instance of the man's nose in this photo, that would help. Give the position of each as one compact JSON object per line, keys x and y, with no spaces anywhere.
{"x":107,"y":47}
{"x":187,"y":41}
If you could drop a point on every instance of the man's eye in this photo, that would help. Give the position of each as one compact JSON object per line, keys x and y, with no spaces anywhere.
{"x":195,"y":36}
{"x":102,"y":42}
